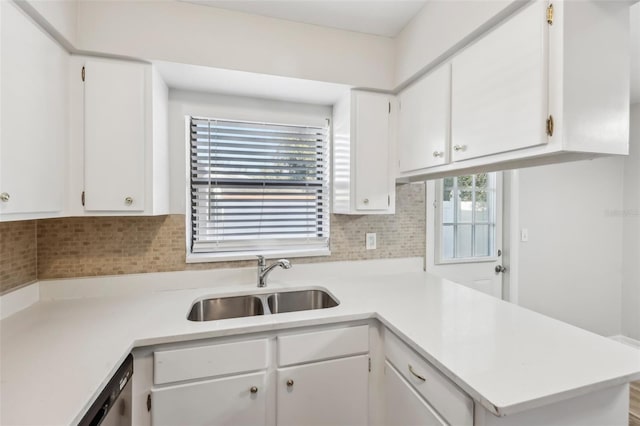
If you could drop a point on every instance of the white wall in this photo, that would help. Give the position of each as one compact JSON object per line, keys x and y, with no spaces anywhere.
{"x":631,"y":232}
{"x":440,"y":28}
{"x":571,"y":267}
{"x":194,"y":34}
{"x":183,"y":103}
{"x":635,"y":52}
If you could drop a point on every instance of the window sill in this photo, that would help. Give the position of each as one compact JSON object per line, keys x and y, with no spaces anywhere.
{"x":252,"y":255}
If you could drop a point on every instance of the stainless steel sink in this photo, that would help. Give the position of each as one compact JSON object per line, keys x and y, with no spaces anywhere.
{"x":226,"y":307}
{"x":260,"y":304}
{"x":303,"y":300}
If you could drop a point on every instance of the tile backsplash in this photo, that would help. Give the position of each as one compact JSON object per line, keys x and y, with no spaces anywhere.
{"x":18,"y":256}
{"x":90,"y":246}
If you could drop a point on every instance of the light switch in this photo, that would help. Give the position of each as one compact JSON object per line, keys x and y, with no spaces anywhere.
{"x":370,"y":240}
{"x":524,"y":235}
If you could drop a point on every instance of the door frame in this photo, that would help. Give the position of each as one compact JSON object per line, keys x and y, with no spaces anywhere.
{"x":510,"y":234}
{"x":509,"y":200}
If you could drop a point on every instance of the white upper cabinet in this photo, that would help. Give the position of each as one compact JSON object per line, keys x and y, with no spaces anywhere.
{"x":124,"y":162}
{"x":35,"y":119}
{"x":548,"y":84}
{"x":499,"y":91}
{"x":423,"y":121}
{"x":363,"y":154}
{"x":114,"y":136}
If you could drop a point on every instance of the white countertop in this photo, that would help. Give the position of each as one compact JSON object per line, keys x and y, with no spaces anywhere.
{"x":56,"y":355}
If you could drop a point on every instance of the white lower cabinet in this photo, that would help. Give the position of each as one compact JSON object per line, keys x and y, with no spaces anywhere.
{"x":450,"y":403}
{"x":347,"y":374}
{"x":230,"y":401}
{"x":314,"y":376}
{"x":403,"y":405}
{"x":324,"y":393}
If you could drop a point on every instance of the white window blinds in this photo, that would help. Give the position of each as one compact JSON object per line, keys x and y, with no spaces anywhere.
{"x":257,"y":187}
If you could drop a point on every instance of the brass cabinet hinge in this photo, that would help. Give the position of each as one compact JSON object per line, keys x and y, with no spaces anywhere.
{"x":550,"y":125}
{"x":83,"y":73}
{"x":389,"y":107}
{"x":550,"y":14}
{"x":82,"y":198}
{"x":369,"y":365}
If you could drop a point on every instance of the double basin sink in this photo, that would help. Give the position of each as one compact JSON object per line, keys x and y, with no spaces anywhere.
{"x":260,"y":304}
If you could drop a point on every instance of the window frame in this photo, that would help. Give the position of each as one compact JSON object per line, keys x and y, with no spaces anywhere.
{"x":223,"y":256}
{"x":438,"y":225}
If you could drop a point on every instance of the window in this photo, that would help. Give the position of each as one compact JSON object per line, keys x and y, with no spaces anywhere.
{"x":258,"y":188}
{"x":467,"y":217}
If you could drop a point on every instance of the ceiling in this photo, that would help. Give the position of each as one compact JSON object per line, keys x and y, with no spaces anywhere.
{"x":379,"y":17}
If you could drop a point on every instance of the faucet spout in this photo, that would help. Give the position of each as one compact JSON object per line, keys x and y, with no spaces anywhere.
{"x":263,"y":269}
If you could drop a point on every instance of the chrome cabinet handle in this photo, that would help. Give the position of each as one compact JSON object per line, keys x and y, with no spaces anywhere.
{"x":437,"y":154}
{"x":366,"y":201}
{"x":254,"y":389}
{"x":128,"y":201}
{"x":4,"y":197}
{"x":458,"y":148}
{"x":289,"y":383}
{"x":416,"y":374}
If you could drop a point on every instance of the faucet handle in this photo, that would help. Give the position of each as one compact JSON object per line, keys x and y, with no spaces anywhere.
{"x":261,"y":261}
{"x":285,"y":263}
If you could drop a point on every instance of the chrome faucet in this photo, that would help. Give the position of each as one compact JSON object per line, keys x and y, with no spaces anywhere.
{"x":263,"y":269}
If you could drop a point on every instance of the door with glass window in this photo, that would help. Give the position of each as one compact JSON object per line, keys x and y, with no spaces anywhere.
{"x":464,"y":231}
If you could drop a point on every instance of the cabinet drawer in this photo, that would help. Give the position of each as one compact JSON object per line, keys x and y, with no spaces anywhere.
{"x":403,"y":405}
{"x":451,"y":403}
{"x":207,"y":361}
{"x":319,"y":345}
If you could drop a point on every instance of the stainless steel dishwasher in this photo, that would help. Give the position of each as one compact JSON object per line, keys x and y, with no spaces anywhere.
{"x":113,"y":405}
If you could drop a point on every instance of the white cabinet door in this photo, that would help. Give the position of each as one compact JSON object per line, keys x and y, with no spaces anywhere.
{"x":423,"y":121}
{"x":324,"y":393}
{"x":403,"y":405}
{"x":114,"y":136}
{"x":228,"y":401}
{"x":499,"y":88}
{"x":370,"y":133}
{"x":34,"y":123}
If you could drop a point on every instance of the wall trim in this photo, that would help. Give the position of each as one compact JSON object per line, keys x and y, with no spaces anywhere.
{"x":19,"y":299}
{"x":136,"y":284}
{"x":626,"y":340}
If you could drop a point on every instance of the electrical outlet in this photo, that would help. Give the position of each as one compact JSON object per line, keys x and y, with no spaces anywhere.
{"x":370,"y":240}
